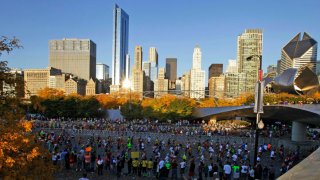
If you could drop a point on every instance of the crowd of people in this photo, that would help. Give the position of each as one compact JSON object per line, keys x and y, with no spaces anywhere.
{"x":181,"y":127}
{"x":163,"y":156}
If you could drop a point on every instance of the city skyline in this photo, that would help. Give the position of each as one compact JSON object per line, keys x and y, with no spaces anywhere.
{"x":218,"y":41}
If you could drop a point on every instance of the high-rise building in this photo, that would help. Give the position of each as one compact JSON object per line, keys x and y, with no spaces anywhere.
{"x":137,"y":76}
{"x":119,"y":45}
{"x":138,"y":58}
{"x":153,"y":55}
{"x":75,"y":56}
{"x":216,"y":86}
{"x":249,"y":44}
{"x":300,"y":51}
{"x":146,"y":68}
{"x":171,"y":72}
{"x":232,"y":66}
{"x":215,"y":70}
{"x":127,"y":66}
{"x":102,"y":71}
{"x":161,"y":84}
{"x":279,"y":66}
{"x":197,"y":76}
{"x":153,"y":59}
{"x":148,"y":84}
{"x":185,"y":84}
{"x":271,"y":69}
{"x":37,"y":79}
{"x":234,"y":84}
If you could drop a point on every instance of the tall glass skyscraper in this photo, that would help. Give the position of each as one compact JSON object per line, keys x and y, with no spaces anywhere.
{"x":119,"y":45}
{"x":153,"y":59}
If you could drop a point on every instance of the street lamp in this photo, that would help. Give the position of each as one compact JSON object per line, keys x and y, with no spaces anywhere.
{"x":258,"y":105}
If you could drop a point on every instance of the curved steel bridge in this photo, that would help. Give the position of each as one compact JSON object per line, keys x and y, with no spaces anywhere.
{"x":305,"y":113}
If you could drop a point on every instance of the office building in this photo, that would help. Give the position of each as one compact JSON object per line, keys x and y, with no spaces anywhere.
{"x":300,"y":51}
{"x":137,"y":73}
{"x":185,"y":84}
{"x":138,"y":56}
{"x":146,"y":68}
{"x":249,"y":44}
{"x":75,"y":56}
{"x":102,"y":71}
{"x":153,"y":59}
{"x":232,"y":66}
{"x":216,"y":86}
{"x":197,"y":76}
{"x":38,"y":79}
{"x":171,"y":72}
{"x":119,"y":46}
{"x":271,"y":69}
{"x":234,"y":84}
{"x":215,"y":70}
{"x":279,"y":66}
{"x":57,"y":81}
{"x":161,"y":84}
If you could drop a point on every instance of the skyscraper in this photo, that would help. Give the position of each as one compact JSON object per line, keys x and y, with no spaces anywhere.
{"x":215,"y":70}
{"x":75,"y":56}
{"x":197,"y":77}
{"x":271,"y":69}
{"x":137,"y":73}
{"x":102,"y":71}
{"x":216,"y":86}
{"x":171,"y":72}
{"x":138,"y":58}
{"x":161,"y":84}
{"x":119,"y":45}
{"x":153,"y":59}
{"x":249,"y":44}
{"x":232,"y":66}
{"x":299,"y":52}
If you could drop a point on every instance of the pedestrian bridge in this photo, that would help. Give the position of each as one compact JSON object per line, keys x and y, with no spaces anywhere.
{"x":305,"y":113}
{"x":300,"y":115}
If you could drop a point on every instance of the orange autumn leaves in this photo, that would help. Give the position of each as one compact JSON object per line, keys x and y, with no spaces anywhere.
{"x":15,"y":145}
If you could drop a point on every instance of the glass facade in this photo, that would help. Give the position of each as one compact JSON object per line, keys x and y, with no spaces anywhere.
{"x":120,"y":45}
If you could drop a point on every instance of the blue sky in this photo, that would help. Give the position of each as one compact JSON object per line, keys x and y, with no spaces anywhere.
{"x":174,"y":27}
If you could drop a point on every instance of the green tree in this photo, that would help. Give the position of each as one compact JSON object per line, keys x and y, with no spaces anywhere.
{"x":131,"y":110}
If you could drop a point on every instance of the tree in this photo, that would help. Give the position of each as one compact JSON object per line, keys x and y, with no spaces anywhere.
{"x":50,"y":93}
{"x":180,"y":108}
{"x":20,"y":155}
{"x":131,"y":110}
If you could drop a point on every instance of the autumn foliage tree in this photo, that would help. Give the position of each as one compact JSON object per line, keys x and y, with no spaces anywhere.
{"x":20,"y":155}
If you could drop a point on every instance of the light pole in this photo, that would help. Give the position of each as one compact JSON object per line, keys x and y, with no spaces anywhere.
{"x":258,"y":106}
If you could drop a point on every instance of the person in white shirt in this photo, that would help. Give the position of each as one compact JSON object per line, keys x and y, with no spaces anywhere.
{"x":227,"y":170}
{"x":234,"y":157}
{"x":239,"y":151}
{"x":251,"y":173}
{"x":272,"y":154}
{"x":244,"y":171}
{"x":183,"y":165}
